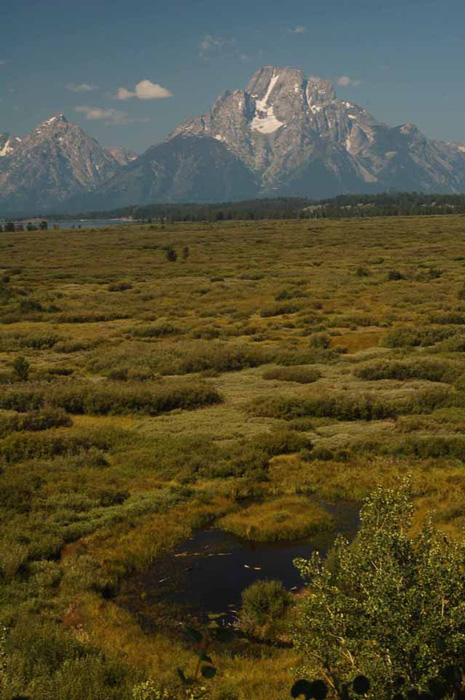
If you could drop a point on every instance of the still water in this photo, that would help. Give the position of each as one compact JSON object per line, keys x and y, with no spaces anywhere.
{"x":208,"y":572}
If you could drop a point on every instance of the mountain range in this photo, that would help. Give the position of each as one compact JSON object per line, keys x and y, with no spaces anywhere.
{"x":284,"y":135}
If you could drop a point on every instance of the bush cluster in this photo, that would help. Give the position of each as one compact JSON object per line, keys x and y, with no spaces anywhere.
{"x":111,"y":398}
{"x":346,"y":408}
{"x":35,"y":421}
{"x":430,"y":370}
{"x":405,"y":337}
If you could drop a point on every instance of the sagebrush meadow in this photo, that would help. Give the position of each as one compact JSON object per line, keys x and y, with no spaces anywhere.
{"x":159,"y":379}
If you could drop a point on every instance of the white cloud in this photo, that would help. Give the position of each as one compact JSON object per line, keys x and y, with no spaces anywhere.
{"x":3,"y":61}
{"x":108,"y":116}
{"x":345,"y":81}
{"x":145,"y":90}
{"x":213,"y":45}
{"x":81,"y":87}
{"x":300,"y":29}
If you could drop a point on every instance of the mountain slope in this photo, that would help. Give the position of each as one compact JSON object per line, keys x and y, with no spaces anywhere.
{"x":121,"y":155}
{"x":182,"y":169}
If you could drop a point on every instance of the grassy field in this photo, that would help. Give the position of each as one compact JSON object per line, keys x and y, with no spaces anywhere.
{"x":276,"y":362}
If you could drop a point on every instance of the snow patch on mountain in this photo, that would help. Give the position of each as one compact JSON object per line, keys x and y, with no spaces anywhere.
{"x":264,"y":120}
{"x":6,"y":150}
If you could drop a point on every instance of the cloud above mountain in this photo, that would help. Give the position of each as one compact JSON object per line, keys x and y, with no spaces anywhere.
{"x":144,"y":90}
{"x":211,"y":45}
{"x":108,"y":116}
{"x":346,"y":81}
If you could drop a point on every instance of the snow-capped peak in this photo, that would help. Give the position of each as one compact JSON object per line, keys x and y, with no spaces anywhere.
{"x":55,"y":121}
{"x":7,"y":149}
{"x":8,"y":144}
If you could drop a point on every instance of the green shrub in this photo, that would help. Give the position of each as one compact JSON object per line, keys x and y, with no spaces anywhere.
{"x":119,"y":286}
{"x":185,"y":357}
{"x":302,"y":424}
{"x":345,"y":407}
{"x":454,"y":344}
{"x":286,"y":294}
{"x":112,"y":398}
{"x":448,"y":318}
{"x":70,"y":346}
{"x":88,"y":317}
{"x":394,"y":275}
{"x":320,"y":340}
{"x":30,"y":305}
{"x":280,"y":442}
{"x":35,"y":421}
{"x":21,"y":368}
{"x":46,"y":445}
{"x":349,"y":320}
{"x":430,"y":370}
{"x":264,"y":604}
{"x":40,"y":342}
{"x":156,"y":331}
{"x":299,"y":374}
{"x":279,"y":309}
{"x":362,"y":272}
{"x":413,"y":337}
{"x":22,"y":399}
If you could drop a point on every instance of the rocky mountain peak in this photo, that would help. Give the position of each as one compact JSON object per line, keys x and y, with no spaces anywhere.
{"x":266,"y":79}
{"x":8,"y":144}
{"x":57,"y":160}
{"x":58,"y":121}
{"x":290,"y":129}
{"x":319,"y":91}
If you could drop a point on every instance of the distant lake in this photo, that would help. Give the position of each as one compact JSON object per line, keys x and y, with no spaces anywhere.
{"x":88,"y":223}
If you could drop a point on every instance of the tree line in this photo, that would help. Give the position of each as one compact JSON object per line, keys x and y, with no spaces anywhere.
{"x":342,"y":206}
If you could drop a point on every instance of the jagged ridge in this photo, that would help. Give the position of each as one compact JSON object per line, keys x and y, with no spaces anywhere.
{"x":285,"y":134}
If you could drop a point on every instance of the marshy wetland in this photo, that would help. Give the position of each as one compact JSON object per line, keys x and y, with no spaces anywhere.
{"x":235,"y":386}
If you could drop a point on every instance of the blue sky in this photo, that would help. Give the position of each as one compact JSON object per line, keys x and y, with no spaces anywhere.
{"x":403,"y":60}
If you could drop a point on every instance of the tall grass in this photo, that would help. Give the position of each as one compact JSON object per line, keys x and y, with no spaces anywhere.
{"x":112,"y":398}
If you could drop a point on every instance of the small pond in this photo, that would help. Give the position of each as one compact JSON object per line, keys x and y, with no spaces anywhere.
{"x":208,"y":572}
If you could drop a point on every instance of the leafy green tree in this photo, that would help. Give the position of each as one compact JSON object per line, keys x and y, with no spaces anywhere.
{"x":388,"y":605}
